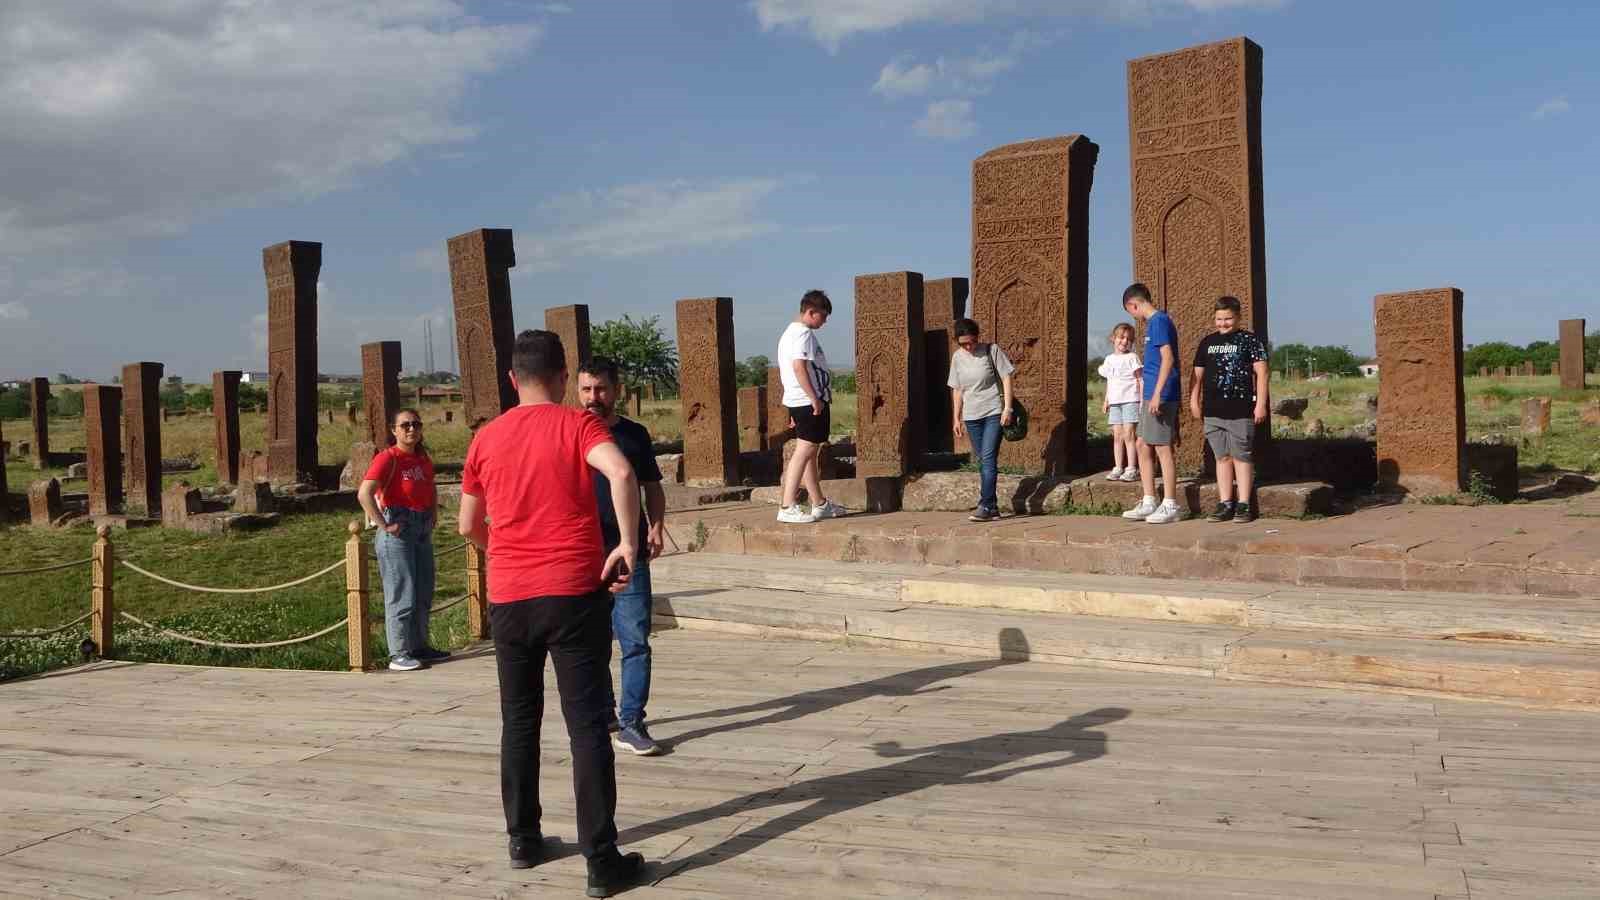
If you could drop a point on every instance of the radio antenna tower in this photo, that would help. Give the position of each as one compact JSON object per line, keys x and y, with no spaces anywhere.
{"x":427,"y":337}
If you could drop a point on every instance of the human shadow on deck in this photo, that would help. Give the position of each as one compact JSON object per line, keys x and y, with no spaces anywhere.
{"x":1013,"y":648}
{"x":957,"y":763}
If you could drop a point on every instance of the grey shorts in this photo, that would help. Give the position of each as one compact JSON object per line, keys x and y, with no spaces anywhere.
{"x":1230,"y":437}
{"x":1157,"y":430}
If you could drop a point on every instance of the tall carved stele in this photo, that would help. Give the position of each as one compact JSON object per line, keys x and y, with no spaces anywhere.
{"x":292,"y":268}
{"x":1422,"y":404}
{"x":891,"y":409}
{"x":102,"y":430}
{"x":571,"y":324}
{"x":225,"y":413}
{"x":707,"y":388}
{"x":944,"y":300}
{"x":39,"y":410}
{"x":1571,"y":335}
{"x":1194,"y":123}
{"x":1030,"y":288}
{"x":480,"y":285}
{"x":380,"y":390}
{"x":141,"y":431}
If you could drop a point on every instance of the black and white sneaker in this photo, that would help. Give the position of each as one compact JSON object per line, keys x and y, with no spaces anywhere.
{"x":1224,"y":513}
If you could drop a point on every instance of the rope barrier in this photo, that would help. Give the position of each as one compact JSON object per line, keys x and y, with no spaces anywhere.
{"x":215,"y":590}
{"x":439,"y":609}
{"x":459,"y":547}
{"x":50,"y":568}
{"x":23,"y":635}
{"x":235,"y":646}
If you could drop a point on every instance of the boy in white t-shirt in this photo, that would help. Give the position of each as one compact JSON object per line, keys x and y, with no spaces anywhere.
{"x":1121,"y":370}
{"x":807,"y":395}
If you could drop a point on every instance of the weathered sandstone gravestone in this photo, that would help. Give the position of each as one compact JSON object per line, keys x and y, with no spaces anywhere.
{"x":178,"y":503}
{"x":1483,"y":371}
{"x":480,"y":285}
{"x":1527,"y":368}
{"x":778,"y":430}
{"x":1500,"y":373}
{"x":890,"y":380}
{"x":753,"y":418}
{"x":225,"y":415}
{"x":944,"y":300}
{"x":380,"y":389}
{"x":1030,"y":288}
{"x":1591,"y":413}
{"x":355,"y":469}
{"x":571,"y":324}
{"x":141,"y":416}
{"x":1555,"y":369}
{"x":291,"y":269}
{"x":44,"y":503}
{"x":1422,"y":420}
{"x":1535,"y":416}
{"x":102,"y":426}
{"x":352,"y":413}
{"x":1572,"y":374}
{"x":1194,"y":122}
{"x":253,"y":497}
{"x":39,"y":412}
{"x":706,"y":384}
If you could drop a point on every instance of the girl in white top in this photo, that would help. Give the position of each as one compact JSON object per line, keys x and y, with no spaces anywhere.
{"x":1122,"y":372}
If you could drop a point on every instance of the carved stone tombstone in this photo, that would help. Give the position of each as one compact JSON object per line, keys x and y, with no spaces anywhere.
{"x":944,"y":300}
{"x":44,"y":502}
{"x":1527,"y":368}
{"x":380,"y":389}
{"x":1572,"y":374}
{"x":890,"y":386}
{"x":753,"y":418}
{"x":1422,"y":419}
{"x":571,"y":324}
{"x":292,"y":268}
{"x":1194,"y":123}
{"x":141,"y":416}
{"x":39,"y":407}
{"x":778,"y":431}
{"x":480,"y":285}
{"x":706,"y":383}
{"x":178,"y":503}
{"x":1483,"y":371}
{"x":1030,"y":288}
{"x":225,"y":416}
{"x":1535,"y":416}
{"x":1500,"y":373}
{"x":102,"y":426}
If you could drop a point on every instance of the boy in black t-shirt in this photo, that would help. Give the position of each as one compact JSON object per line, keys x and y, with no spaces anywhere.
{"x":1232,"y":366}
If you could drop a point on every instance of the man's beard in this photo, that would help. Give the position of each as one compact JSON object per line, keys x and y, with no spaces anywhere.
{"x":600,"y":409}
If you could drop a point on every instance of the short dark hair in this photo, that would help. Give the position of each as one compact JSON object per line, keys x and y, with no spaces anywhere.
{"x":1137,"y":289}
{"x":966,"y":327}
{"x":1231,"y":303}
{"x":815,"y":299}
{"x":538,"y":355}
{"x":602,"y":367}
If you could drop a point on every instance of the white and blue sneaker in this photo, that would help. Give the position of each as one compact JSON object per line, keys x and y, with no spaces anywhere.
{"x":636,"y":740}
{"x":404,"y":664}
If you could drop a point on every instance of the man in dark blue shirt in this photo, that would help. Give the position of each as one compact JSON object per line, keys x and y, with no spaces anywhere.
{"x":630,"y":611}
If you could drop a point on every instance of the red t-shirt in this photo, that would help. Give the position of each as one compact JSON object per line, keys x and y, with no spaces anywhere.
{"x":404,"y":479}
{"x":528,"y":466}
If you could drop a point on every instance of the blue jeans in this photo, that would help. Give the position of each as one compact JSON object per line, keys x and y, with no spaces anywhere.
{"x":985,"y":436}
{"x":630,"y":622}
{"x":405,"y":561}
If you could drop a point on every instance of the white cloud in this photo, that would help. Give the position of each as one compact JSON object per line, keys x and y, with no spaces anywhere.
{"x":947,"y":120}
{"x":557,"y":9}
{"x":1555,"y":106}
{"x":898,"y":80}
{"x":13,"y":311}
{"x":133,"y":117}
{"x":969,"y":75}
{"x":832,"y":21}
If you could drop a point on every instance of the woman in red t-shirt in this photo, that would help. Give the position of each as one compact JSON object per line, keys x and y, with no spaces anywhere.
{"x":398,"y":493}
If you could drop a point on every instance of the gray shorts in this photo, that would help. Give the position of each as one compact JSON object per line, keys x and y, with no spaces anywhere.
{"x":1230,"y":437}
{"x":1157,"y":430}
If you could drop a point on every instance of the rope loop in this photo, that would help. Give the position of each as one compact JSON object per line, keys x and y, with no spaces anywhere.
{"x":24,"y":635}
{"x":50,"y":568}
{"x":216,"y":590}
{"x":231,"y":645}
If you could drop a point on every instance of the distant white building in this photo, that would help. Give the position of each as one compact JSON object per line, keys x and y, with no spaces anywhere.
{"x":253,"y":378}
{"x":1369,"y":370}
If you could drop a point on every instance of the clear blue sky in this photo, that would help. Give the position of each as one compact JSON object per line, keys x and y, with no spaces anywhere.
{"x":645,"y":152}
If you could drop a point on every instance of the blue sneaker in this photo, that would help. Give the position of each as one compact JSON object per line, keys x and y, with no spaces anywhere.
{"x":428,"y":654}
{"x":404,"y":664}
{"x":636,"y":740}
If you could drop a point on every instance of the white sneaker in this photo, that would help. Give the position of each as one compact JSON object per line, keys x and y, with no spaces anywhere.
{"x":404,"y":664}
{"x":1115,"y":474}
{"x":828,"y":510}
{"x":1145,"y":508}
{"x":796,"y":515}
{"x":1165,"y":513}
{"x":1131,"y":473}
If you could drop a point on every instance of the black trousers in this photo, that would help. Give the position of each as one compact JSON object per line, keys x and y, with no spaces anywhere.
{"x":576,"y":633}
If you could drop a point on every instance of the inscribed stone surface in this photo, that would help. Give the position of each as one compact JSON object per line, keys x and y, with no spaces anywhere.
{"x":225,"y":416}
{"x":778,"y":431}
{"x":706,"y":383}
{"x":141,"y":417}
{"x":1535,"y":416}
{"x":1527,"y":368}
{"x":39,"y":406}
{"x":1422,"y":417}
{"x":1194,"y":122}
{"x":480,"y":286}
{"x":944,"y":300}
{"x":380,"y":389}
{"x":1030,"y":288}
{"x":44,"y":502}
{"x":753,"y":418}
{"x":292,"y":268}
{"x":1572,"y":374}
{"x":890,"y":386}
{"x":571,"y":324}
{"x":102,"y":427}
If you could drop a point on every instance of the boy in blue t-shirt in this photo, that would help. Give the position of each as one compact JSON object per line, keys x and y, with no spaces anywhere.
{"x":1158,"y":413}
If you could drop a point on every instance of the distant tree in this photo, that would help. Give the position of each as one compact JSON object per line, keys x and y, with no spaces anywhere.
{"x":252,"y":397}
{"x":1094,"y":368}
{"x":13,"y":404}
{"x":1493,"y":355}
{"x":1591,"y":351}
{"x":68,"y":404}
{"x":844,"y":381}
{"x":173,"y":398}
{"x":63,"y":378}
{"x":752,"y":372}
{"x":199,"y":399}
{"x":1323,"y":359}
{"x":641,"y":350}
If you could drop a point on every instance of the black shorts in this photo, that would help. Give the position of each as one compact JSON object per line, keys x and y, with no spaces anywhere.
{"x":809,"y":426}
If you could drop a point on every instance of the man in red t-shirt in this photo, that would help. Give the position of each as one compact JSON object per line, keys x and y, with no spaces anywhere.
{"x":530,"y":472}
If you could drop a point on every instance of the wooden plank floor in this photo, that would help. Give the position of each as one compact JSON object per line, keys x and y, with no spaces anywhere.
{"x":798,"y":770}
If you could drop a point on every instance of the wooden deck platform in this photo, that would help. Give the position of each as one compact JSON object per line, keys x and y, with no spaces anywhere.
{"x":798,"y":770}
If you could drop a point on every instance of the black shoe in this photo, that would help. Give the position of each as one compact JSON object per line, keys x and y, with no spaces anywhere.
{"x":525,"y":853}
{"x":1244,"y":512}
{"x":1225,"y":512}
{"x":428,"y":654}
{"x":607,"y":873}
{"x":983,"y":515}
{"x":612,"y":725}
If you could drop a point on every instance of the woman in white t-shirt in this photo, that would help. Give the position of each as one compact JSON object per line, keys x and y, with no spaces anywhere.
{"x":980,"y":400}
{"x":1122,"y":372}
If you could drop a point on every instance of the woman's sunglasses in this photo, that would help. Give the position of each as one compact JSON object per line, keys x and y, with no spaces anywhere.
{"x":409,"y":426}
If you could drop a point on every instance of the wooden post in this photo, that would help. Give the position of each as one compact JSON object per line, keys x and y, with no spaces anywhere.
{"x":356,"y":584}
{"x":477,"y":594}
{"x":102,"y":598}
